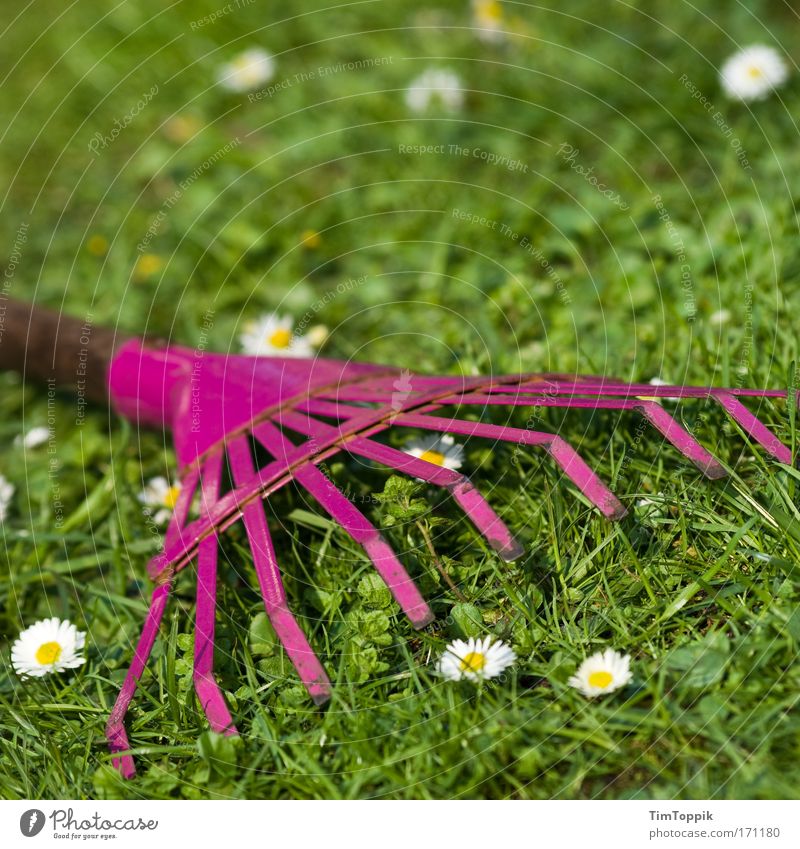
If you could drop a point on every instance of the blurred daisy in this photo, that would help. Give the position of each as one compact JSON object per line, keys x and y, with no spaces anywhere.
{"x":247,"y":71}
{"x":602,"y":673}
{"x":181,"y":128}
{"x":159,"y":498}
{"x":317,"y":335}
{"x":720,"y":317}
{"x":310,"y":239}
{"x":475,"y":660}
{"x":753,"y":73}
{"x":147,"y":265}
{"x":35,"y":437}
{"x":487,"y":15}
{"x":51,"y":645}
{"x":439,"y":450}
{"x":273,"y":336}
{"x":6,"y":494}
{"x":435,"y":86}
{"x":97,"y":245}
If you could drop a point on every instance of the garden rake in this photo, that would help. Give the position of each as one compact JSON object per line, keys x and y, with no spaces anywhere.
{"x":219,"y":407}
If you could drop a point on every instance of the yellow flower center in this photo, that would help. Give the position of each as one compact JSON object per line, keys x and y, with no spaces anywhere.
{"x":600,"y":679}
{"x":473,"y":662}
{"x":171,"y":496}
{"x":755,"y":72}
{"x":48,"y":653}
{"x":148,"y":265}
{"x":281,"y":338}
{"x":489,"y":11}
{"x":435,"y":457}
{"x":97,"y":245}
{"x":311,"y":239}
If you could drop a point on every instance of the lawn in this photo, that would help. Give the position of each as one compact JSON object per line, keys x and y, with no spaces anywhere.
{"x":595,"y":204}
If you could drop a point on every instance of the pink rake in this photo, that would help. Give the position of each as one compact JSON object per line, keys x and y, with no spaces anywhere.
{"x":218,"y":405}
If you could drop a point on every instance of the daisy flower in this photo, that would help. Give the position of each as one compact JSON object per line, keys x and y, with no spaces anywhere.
{"x":160,"y":496}
{"x":35,"y":437}
{"x":6,"y":494}
{"x":720,"y":317}
{"x":439,"y":450}
{"x":247,"y":71}
{"x":48,"y":646}
{"x":602,"y":673}
{"x":753,"y":73}
{"x":487,"y":15}
{"x":475,"y":660}
{"x":272,"y":335}
{"x":438,"y":85}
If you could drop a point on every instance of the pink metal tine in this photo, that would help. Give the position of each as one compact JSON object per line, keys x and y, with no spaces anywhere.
{"x":754,"y":427}
{"x":357,"y":525}
{"x":671,"y":429}
{"x":206,"y":687}
{"x":561,"y":451}
{"x":570,"y":461}
{"x":465,"y":494}
{"x":115,"y":727}
{"x":294,"y":641}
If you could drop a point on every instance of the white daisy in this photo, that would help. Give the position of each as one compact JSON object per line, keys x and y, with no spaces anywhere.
{"x":6,"y":494}
{"x":159,"y":498}
{"x":602,"y":673}
{"x":475,"y":660}
{"x":487,"y":16}
{"x":752,"y":73}
{"x":720,"y":317}
{"x":435,"y":85}
{"x":247,"y":71}
{"x":35,"y":437}
{"x":272,"y":336}
{"x":439,"y":450}
{"x":48,"y":646}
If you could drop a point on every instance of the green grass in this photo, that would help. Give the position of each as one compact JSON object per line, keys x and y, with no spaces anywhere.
{"x":702,"y":589}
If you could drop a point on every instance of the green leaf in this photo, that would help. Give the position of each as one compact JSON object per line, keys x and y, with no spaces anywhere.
{"x":374,"y":592}
{"x":468,"y":618}
{"x":702,"y":662}
{"x":263,"y":640}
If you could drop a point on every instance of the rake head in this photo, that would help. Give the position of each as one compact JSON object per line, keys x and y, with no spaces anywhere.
{"x":218,"y":407}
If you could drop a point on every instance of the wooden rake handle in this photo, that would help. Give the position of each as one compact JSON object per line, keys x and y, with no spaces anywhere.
{"x":51,"y":347}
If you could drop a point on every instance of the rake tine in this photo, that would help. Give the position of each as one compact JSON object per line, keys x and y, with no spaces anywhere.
{"x":115,"y":727}
{"x":290,"y":634}
{"x":561,"y":451}
{"x":753,"y":426}
{"x":208,"y":691}
{"x":490,"y":525}
{"x":681,"y":439}
{"x":346,"y":514}
{"x":666,"y":424}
